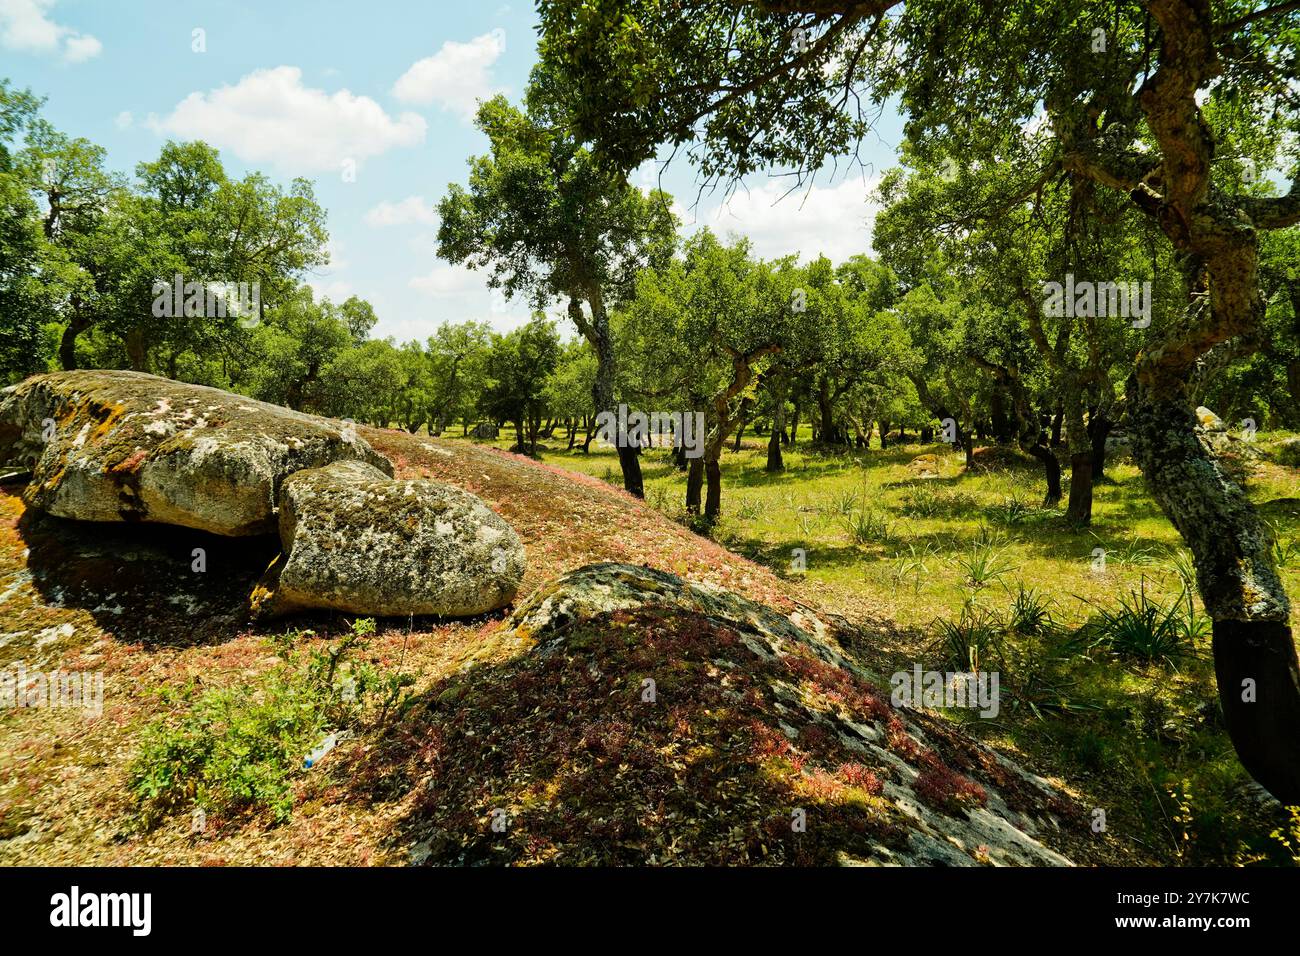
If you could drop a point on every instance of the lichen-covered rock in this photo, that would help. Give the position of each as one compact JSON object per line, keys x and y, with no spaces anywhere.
{"x":356,"y":540}
{"x":126,"y":446}
{"x":1287,"y":451}
{"x":646,"y":719}
{"x":1208,"y":419}
{"x":925,"y":466}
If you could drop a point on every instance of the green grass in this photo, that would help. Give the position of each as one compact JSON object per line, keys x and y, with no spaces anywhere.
{"x":1107,"y":678}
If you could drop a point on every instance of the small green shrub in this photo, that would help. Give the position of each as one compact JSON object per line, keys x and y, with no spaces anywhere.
{"x":1031,"y":612}
{"x":239,"y":748}
{"x":1013,"y":511}
{"x":843,"y":503}
{"x":923,"y":500}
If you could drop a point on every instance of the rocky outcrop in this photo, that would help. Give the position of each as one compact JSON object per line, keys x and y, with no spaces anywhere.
{"x":1287,"y":451}
{"x":647,"y":719}
{"x":355,"y":540}
{"x":126,"y":446}
{"x":924,"y":466}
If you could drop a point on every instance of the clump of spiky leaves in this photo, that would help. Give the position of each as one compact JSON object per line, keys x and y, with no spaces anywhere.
{"x":1030,"y":613}
{"x":984,"y":564}
{"x":867,"y":526}
{"x":973,"y":641}
{"x":1145,"y":629}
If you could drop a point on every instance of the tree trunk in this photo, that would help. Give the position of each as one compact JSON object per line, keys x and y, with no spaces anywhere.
{"x":774,"y":460}
{"x":137,"y":352}
{"x":1254,"y":654}
{"x":1099,"y":428}
{"x":740,"y":431}
{"x":826,"y":410}
{"x":597,"y":333}
{"x":1079,"y":509}
{"x":1051,"y":472}
{"x":68,"y":342}
{"x":713,"y":498}
{"x":694,"y":482}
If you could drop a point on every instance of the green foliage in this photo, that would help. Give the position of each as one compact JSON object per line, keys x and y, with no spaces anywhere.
{"x":233,"y":749}
{"x":973,"y":641}
{"x":1031,"y":612}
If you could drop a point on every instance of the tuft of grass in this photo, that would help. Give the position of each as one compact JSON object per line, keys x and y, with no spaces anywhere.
{"x":913,"y":567}
{"x":1031,"y":612}
{"x":972,"y":640}
{"x":867,"y":526}
{"x":1144,"y":629}
{"x":1013,"y":511}
{"x":843,"y":503}
{"x":985,"y":564}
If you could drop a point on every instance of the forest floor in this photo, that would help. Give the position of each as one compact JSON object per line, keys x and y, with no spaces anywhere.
{"x":936,"y":569}
{"x":894,"y":554}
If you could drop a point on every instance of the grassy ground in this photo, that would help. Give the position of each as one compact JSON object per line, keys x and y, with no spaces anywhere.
{"x":965,"y":568}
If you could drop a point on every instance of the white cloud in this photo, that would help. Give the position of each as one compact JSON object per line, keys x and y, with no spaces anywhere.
{"x":26,"y":28}
{"x":461,"y":293}
{"x":269,"y":116}
{"x":78,"y":49}
{"x":834,"y":220}
{"x":124,"y":120}
{"x":336,"y":290}
{"x":412,"y":209}
{"x":456,"y":77}
{"x":449,"y":280}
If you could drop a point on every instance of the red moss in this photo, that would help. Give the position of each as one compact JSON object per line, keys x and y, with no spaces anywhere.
{"x":837,"y":685}
{"x":856,"y":775}
{"x":945,"y":789}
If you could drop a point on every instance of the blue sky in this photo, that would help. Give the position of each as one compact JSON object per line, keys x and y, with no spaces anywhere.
{"x":386,"y":89}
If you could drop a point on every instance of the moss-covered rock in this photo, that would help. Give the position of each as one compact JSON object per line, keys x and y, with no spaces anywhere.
{"x":358,"y":541}
{"x":656,"y":720}
{"x":126,"y":446}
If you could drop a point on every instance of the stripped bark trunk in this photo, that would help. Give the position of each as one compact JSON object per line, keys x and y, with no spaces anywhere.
{"x":596,"y":331}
